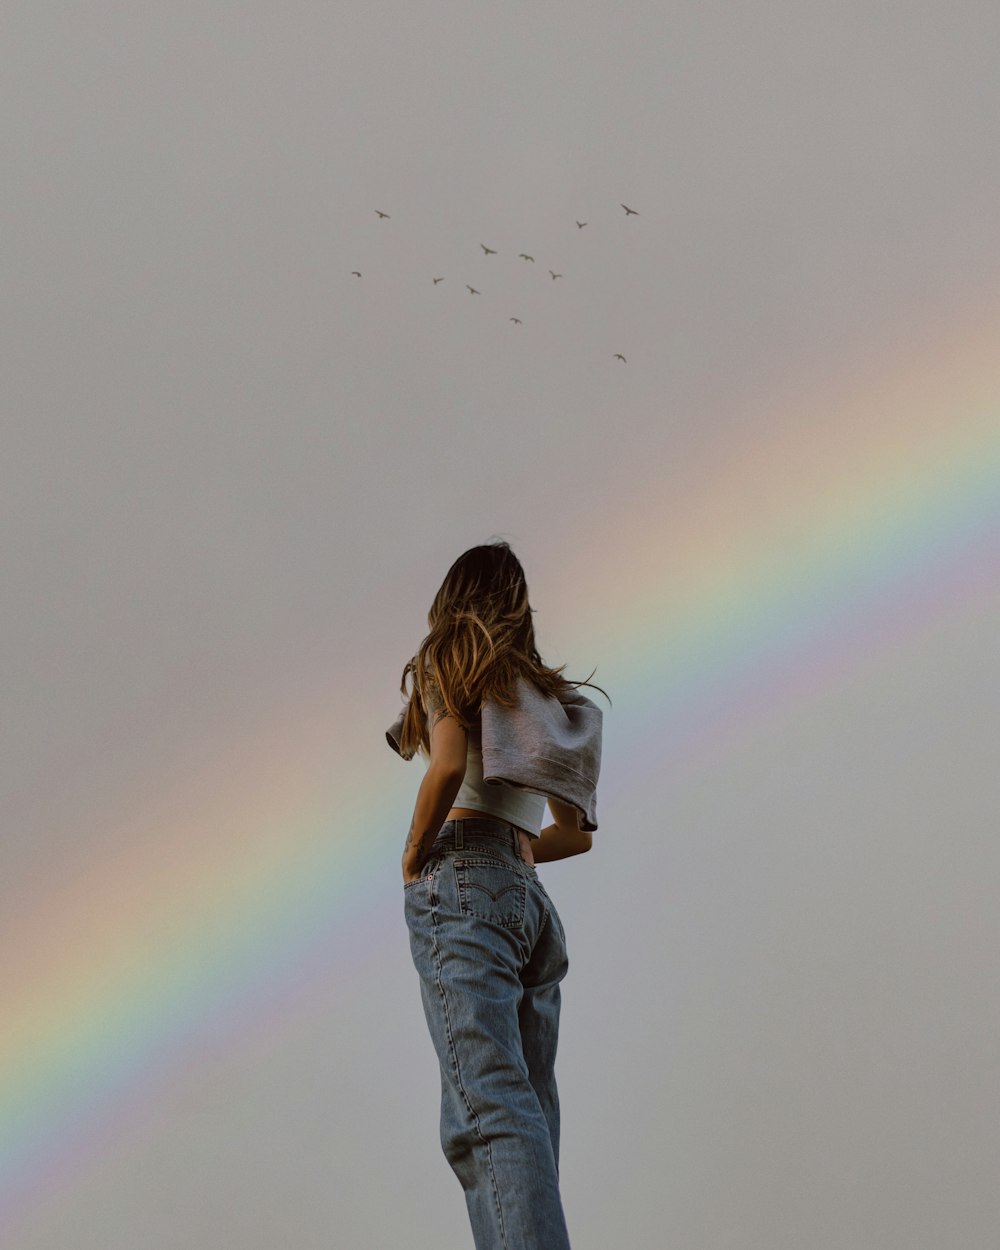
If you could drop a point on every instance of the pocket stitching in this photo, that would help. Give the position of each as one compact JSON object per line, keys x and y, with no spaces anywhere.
{"x":507,"y":919}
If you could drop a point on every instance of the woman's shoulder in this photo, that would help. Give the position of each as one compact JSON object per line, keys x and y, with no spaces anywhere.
{"x":436,"y":706}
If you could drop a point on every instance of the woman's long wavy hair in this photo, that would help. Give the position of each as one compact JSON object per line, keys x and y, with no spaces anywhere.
{"x":481,"y":640}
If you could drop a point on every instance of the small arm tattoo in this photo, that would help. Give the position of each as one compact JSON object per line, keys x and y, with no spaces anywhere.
{"x":435,"y":704}
{"x":418,"y":843}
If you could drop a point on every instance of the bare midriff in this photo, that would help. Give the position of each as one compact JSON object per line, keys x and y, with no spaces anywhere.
{"x":460,"y":813}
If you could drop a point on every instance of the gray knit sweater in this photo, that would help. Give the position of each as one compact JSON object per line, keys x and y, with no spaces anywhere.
{"x":547,"y":745}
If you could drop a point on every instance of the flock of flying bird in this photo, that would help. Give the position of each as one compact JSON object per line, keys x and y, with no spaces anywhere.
{"x":492,"y":251}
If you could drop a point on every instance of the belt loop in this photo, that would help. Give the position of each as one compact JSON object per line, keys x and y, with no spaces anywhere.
{"x":459,"y":829}
{"x":515,"y":840}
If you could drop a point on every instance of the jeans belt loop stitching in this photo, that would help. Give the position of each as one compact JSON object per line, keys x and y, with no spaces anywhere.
{"x":459,"y":830}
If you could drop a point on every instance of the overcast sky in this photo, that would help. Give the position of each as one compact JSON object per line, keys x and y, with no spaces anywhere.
{"x":233,"y":474}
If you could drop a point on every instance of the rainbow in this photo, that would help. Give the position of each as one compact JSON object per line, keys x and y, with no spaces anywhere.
{"x":814,"y":552}
{"x":834,"y":532}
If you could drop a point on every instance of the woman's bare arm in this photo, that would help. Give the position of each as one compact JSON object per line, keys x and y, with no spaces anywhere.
{"x":562,"y":839}
{"x":441,"y":783}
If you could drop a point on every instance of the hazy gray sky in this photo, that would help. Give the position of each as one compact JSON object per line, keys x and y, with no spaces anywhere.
{"x":233,"y":475}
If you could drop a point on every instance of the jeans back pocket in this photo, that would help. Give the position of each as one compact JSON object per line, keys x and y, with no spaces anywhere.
{"x":491,"y":890}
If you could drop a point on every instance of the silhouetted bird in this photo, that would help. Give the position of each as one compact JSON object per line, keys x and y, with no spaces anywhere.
{"x":619,"y":356}
{"x":555,"y":275}
{"x":437,"y":280}
{"x":581,"y":224}
{"x":525,"y":256}
{"x":633,"y":211}
{"x":356,"y":273}
{"x":380,"y":213}
{"x":516,"y":320}
{"x":473,"y":289}
{"x":490,"y":251}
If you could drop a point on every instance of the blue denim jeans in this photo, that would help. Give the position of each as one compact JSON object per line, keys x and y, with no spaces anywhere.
{"x":490,"y":951}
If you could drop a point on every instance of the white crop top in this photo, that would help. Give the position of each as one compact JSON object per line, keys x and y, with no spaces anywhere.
{"x":523,"y":808}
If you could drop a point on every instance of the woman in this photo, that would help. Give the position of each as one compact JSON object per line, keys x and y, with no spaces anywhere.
{"x":503,"y":734}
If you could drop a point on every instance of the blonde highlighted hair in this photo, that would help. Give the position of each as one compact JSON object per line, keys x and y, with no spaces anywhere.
{"x":480,"y":640}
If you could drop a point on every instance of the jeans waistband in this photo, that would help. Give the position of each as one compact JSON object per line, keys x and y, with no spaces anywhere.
{"x":454,"y":833}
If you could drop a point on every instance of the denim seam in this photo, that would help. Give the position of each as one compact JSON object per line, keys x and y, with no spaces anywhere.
{"x":487,"y":857}
{"x":439,"y":980}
